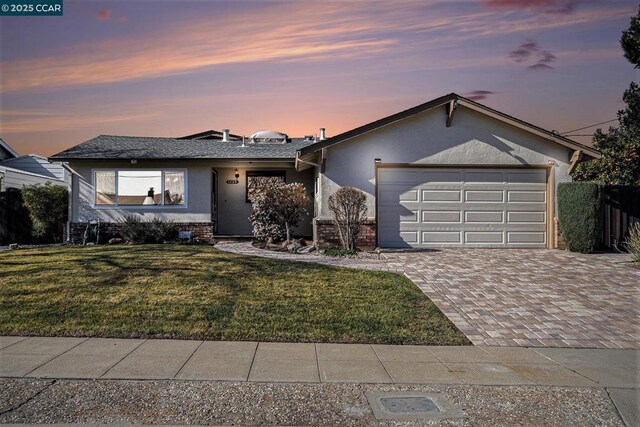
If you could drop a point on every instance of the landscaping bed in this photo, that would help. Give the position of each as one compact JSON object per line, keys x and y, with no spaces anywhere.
{"x":199,"y":292}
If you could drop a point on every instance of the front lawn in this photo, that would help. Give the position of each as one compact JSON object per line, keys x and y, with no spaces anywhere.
{"x":200,"y":292}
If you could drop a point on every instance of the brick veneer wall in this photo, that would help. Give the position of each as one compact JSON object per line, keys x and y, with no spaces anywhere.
{"x":325,"y":234}
{"x":202,"y":230}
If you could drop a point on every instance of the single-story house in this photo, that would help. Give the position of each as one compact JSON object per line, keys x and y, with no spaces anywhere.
{"x":446,"y":173}
{"x":16,"y":171}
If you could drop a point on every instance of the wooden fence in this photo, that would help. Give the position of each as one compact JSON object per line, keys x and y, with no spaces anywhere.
{"x":621,"y":210}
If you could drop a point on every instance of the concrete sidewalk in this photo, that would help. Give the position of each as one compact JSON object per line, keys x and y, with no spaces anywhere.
{"x":42,"y":361}
{"x":137,"y":359}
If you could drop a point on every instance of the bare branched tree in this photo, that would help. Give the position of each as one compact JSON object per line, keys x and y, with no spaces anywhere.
{"x":349,"y":208}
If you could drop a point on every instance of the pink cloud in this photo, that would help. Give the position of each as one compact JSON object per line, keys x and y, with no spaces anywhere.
{"x":104,"y":15}
{"x":479,"y":95}
{"x":123,"y":18}
{"x":531,"y":49}
{"x":546,"y":6}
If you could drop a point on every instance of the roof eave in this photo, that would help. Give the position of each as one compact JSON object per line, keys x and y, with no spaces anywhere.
{"x":205,"y":159}
{"x":559,"y":139}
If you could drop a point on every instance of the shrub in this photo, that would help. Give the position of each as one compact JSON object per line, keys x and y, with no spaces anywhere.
{"x":48,"y":206}
{"x":339,"y":252}
{"x":134,"y":230}
{"x":580,"y":213}
{"x":277,"y":208}
{"x":349,"y":208}
{"x":632,"y":242}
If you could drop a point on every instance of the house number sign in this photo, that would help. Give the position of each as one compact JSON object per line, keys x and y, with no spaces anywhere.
{"x":233,"y":181}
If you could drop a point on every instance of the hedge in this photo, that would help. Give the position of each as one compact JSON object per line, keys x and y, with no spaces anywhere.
{"x":580,"y":207}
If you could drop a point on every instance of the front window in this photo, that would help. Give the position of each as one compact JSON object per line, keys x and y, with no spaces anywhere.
{"x":140,"y":188}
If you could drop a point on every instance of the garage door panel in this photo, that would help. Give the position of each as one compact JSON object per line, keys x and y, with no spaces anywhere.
{"x":521,"y":237}
{"x":466,"y":207}
{"x":484,"y":237}
{"x":484,"y":196}
{"x":484,"y":216}
{"x":526,"y":196}
{"x":442,"y":216}
{"x":442,"y":237}
{"x":441,"y":195}
{"x":528,"y":217}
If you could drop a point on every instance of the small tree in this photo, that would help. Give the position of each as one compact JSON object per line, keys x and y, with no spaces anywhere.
{"x":277,"y":208}
{"x":48,"y":208}
{"x":349,"y":208}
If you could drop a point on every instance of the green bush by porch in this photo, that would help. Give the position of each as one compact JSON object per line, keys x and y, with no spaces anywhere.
{"x":199,"y":292}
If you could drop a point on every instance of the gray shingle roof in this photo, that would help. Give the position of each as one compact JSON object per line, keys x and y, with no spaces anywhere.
{"x":136,"y":147}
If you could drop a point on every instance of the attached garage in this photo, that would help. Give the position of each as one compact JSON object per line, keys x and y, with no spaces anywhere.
{"x":447,"y":173}
{"x":423,"y":207}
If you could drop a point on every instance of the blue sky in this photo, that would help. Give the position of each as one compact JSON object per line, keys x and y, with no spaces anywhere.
{"x":172,"y":68}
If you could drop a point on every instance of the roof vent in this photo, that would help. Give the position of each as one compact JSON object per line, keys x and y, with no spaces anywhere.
{"x":269,"y":136}
{"x":322,"y":134}
{"x":225,"y":135}
{"x":309,"y":137}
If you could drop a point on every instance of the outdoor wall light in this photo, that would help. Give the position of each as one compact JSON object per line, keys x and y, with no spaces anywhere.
{"x":237,"y":175}
{"x":377,"y":160}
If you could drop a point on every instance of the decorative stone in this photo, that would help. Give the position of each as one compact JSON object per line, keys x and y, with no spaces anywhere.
{"x":116,"y":241}
{"x":306,"y":249}
{"x":14,"y":246}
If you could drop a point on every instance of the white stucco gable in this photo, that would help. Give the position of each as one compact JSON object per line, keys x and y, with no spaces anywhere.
{"x":474,"y":138}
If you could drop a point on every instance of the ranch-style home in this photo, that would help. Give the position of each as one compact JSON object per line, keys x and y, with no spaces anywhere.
{"x":447,"y":173}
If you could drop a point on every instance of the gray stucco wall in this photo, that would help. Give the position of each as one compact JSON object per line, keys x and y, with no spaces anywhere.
{"x":424,"y":139}
{"x":233,"y":211}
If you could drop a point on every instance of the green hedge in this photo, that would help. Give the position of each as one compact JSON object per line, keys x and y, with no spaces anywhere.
{"x":580,"y":213}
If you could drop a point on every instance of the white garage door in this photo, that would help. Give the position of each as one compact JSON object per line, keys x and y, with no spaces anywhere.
{"x":436,"y":207}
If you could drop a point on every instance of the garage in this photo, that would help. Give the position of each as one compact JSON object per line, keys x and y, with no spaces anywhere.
{"x":429,"y":207}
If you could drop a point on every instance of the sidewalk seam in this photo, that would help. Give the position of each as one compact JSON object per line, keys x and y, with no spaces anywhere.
{"x":187,"y":361}
{"x":613,"y":402}
{"x":315,"y":349}
{"x":54,"y":358}
{"x":252,"y":360}
{"x":17,"y":342}
{"x":567,"y":367}
{"x":123,"y":357}
{"x":383,"y":365}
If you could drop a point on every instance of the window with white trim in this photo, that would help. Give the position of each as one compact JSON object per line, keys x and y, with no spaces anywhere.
{"x":131,"y":187}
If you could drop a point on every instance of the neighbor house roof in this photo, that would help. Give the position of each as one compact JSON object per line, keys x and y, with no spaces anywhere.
{"x":105,"y":147}
{"x":8,"y":149}
{"x":444,"y":100}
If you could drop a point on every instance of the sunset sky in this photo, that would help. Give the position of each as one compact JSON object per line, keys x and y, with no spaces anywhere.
{"x":171,"y":68}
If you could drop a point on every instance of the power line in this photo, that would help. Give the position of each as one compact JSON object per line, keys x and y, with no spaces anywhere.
{"x":587,"y":127}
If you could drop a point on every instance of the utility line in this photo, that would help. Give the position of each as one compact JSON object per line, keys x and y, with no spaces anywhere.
{"x":587,"y":127}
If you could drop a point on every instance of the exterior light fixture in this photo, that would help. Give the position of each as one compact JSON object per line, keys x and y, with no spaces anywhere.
{"x":237,"y":175}
{"x":134,"y":161}
{"x":377,"y":161}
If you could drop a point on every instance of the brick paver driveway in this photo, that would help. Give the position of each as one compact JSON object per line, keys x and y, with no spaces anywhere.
{"x":533,"y":298}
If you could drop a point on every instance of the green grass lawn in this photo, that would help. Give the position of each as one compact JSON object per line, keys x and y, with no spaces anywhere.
{"x":199,"y":292}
